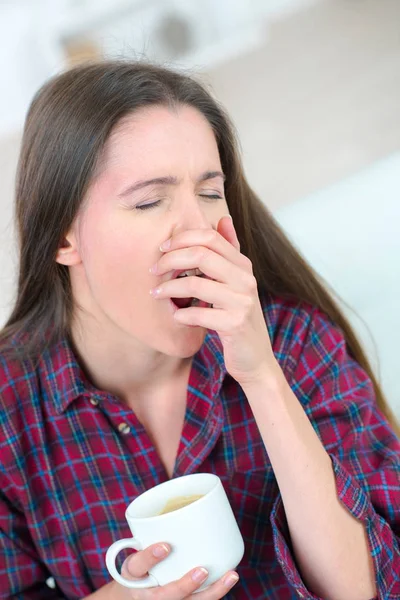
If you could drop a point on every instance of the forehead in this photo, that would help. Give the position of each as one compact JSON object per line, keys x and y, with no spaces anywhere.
{"x":160,"y":132}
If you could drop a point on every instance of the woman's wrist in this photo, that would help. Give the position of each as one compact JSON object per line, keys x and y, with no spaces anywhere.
{"x":110,"y":591}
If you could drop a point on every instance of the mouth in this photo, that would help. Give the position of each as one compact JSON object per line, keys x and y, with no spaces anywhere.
{"x":187,"y":273}
{"x":188,"y":302}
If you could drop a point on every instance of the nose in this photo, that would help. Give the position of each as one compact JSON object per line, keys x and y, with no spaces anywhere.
{"x":193,"y":217}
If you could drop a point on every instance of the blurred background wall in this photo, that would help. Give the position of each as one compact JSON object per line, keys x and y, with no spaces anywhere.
{"x":313,"y":87}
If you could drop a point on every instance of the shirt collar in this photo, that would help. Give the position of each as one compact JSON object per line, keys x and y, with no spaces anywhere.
{"x":64,"y":380}
{"x":62,"y":377}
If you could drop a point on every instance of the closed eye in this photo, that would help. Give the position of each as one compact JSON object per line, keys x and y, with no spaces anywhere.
{"x":147,"y":206}
{"x":212,"y":196}
{"x":155,"y":204}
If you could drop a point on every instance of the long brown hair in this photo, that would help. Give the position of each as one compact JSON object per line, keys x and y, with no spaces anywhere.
{"x":67,"y":125}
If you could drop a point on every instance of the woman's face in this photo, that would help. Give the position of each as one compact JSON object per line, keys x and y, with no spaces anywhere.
{"x":122,"y":224}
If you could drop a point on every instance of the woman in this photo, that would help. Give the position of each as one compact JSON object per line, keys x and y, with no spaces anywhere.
{"x":238,"y":362}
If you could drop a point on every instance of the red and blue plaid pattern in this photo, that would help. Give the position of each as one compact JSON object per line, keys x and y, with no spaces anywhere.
{"x":72,"y":457}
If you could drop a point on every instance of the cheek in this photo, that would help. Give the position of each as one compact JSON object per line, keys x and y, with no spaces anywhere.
{"x":114,"y":254}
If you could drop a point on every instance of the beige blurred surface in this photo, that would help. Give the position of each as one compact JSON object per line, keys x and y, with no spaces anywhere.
{"x":320,"y":100}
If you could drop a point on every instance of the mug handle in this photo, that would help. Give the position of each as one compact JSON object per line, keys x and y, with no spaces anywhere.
{"x":111,"y":555}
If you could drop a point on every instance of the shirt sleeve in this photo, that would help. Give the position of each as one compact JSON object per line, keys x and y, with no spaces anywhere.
{"x":339,"y":399}
{"x":22,"y":575}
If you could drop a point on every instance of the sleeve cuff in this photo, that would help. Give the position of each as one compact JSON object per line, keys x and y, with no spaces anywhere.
{"x":284,"y":552}
{"x":352,"y":497}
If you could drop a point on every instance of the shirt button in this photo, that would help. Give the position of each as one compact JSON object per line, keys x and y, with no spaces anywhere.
{"x":94,"y":401}
{"x":124,"y":428}
{"x":300,"y":594}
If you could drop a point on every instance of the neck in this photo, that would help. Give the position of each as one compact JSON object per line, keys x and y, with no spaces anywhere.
{"x":123,"y":366}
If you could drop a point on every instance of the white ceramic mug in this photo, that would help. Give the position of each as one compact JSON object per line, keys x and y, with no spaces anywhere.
{"x":201,"y":534}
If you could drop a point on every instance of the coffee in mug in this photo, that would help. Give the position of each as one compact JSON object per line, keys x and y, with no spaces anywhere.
{"x":179,"y":502}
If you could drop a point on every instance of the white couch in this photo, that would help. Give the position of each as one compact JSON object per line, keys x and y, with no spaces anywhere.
{"x":350,"y":233}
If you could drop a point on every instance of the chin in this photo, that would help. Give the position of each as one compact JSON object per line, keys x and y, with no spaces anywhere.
{"x":187,"y":342}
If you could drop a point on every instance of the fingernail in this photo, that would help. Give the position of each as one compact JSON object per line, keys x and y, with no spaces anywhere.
{"x":231,"y":579}
{"x":200,"y":574}
{"x":160,"y":550}
{"x":165,"y":245}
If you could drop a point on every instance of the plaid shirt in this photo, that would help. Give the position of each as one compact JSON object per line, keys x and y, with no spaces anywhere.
{"x":72,"y":457}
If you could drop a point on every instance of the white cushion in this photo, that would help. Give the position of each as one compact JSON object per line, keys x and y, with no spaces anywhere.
{"x":350,"y":233}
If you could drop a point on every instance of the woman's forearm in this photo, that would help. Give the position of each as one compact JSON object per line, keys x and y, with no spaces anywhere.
{"x":330,"y":545}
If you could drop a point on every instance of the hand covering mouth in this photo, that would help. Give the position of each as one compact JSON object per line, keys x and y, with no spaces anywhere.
{"x":187,"y":302}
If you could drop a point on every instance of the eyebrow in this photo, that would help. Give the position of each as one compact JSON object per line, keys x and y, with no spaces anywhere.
{"x":169,"y":180}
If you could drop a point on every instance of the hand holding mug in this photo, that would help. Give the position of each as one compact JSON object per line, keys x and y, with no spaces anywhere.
{"x":141,"y":563}
{"x":193,"y":515}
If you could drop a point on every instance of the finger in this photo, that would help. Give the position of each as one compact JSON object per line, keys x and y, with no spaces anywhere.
{"x":211,"y":292}
{"x":213,"y":265}
{"x":137,"y":565}
{"x":184,"y":587}
{"x":218,"y":589}
{"x":215,"y":319}
{"x":227,"y":229}
{"x":209,"y":238}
